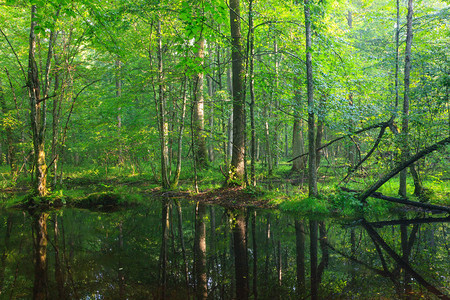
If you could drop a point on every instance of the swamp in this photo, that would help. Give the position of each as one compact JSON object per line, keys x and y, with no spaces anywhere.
{"x":224,"y":149}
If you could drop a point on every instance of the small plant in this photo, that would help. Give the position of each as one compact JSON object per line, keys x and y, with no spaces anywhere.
{"x":345,"y":203}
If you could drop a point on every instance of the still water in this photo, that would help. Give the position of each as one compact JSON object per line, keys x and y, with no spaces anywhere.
{"x":168,"y":251}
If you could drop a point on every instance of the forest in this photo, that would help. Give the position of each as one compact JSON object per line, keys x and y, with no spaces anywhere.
{"x":226,"y":143}
{"x":226,"y":93}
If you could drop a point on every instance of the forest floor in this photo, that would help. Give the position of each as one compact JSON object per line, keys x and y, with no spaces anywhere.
{"x":287,"y":193}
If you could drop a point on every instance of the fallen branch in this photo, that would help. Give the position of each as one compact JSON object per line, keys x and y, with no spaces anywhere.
{"x":402,"y":166}
{"x":409,"y":222}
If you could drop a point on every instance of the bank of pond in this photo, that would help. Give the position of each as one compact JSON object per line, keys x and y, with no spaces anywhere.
{"x":175,"y":248}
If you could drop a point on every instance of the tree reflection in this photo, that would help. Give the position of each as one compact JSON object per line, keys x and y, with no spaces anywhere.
{"x":239,"y":227}
{"x":200,"y":252}
{"x":218,"y":254}
{"x":401,"y":261}
{"x":40,"y":241}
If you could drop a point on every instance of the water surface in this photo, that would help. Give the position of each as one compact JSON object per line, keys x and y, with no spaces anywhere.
{"x":166,"y":251}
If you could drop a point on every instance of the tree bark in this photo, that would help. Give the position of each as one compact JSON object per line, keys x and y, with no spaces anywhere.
{"x":238,"y":153}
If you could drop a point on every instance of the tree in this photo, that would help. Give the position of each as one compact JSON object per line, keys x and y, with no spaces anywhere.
{"x":236,"y":173}
{"x":312,"y":169}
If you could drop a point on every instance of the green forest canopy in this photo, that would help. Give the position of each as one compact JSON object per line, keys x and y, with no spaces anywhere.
{"x":130,"y":81}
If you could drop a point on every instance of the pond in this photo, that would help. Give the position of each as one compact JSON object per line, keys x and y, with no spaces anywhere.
{"x":188,"y":251}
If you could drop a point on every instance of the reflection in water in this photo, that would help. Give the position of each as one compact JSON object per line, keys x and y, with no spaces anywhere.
{"x":185,"y":252}
{"x":239,"y":226}
{"x":40,"y":288}
{"x":200,"y":252}
{"x":300,"y":239}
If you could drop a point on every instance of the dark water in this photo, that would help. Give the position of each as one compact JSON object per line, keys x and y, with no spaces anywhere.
{"x":167,"y":252}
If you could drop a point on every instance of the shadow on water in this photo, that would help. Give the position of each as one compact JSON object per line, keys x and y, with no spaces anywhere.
{"x":193,"y":251}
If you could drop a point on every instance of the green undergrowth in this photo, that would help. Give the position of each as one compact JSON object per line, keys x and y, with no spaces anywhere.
{"x":337,"y":204}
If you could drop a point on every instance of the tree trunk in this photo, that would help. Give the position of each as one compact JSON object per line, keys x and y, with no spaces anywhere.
{"x":268,"y":152}
{"x":312,"y":170}
{"x":276,"y":106}
{"x":238,"y":153}
{"x":118,"y":79}
{"x":405,"y":118}
{"x":201,"y":154}
{"x":163,"y":129}
{"x":252,"y":98}
{"x":211,"y":120}
{"x":319,"y":135}
{"x":37,"y":115}
{"x":180,"y":137}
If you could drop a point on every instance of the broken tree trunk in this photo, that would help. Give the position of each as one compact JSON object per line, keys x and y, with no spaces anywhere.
{"x":401,"y":166}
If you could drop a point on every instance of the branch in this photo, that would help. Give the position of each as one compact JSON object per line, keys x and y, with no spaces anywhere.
{"x":15,"y":54}
{"x":71,"y":109}
{"x":342,"y":137}
{"x":377,"y":142}
{"x":43,"y":99}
